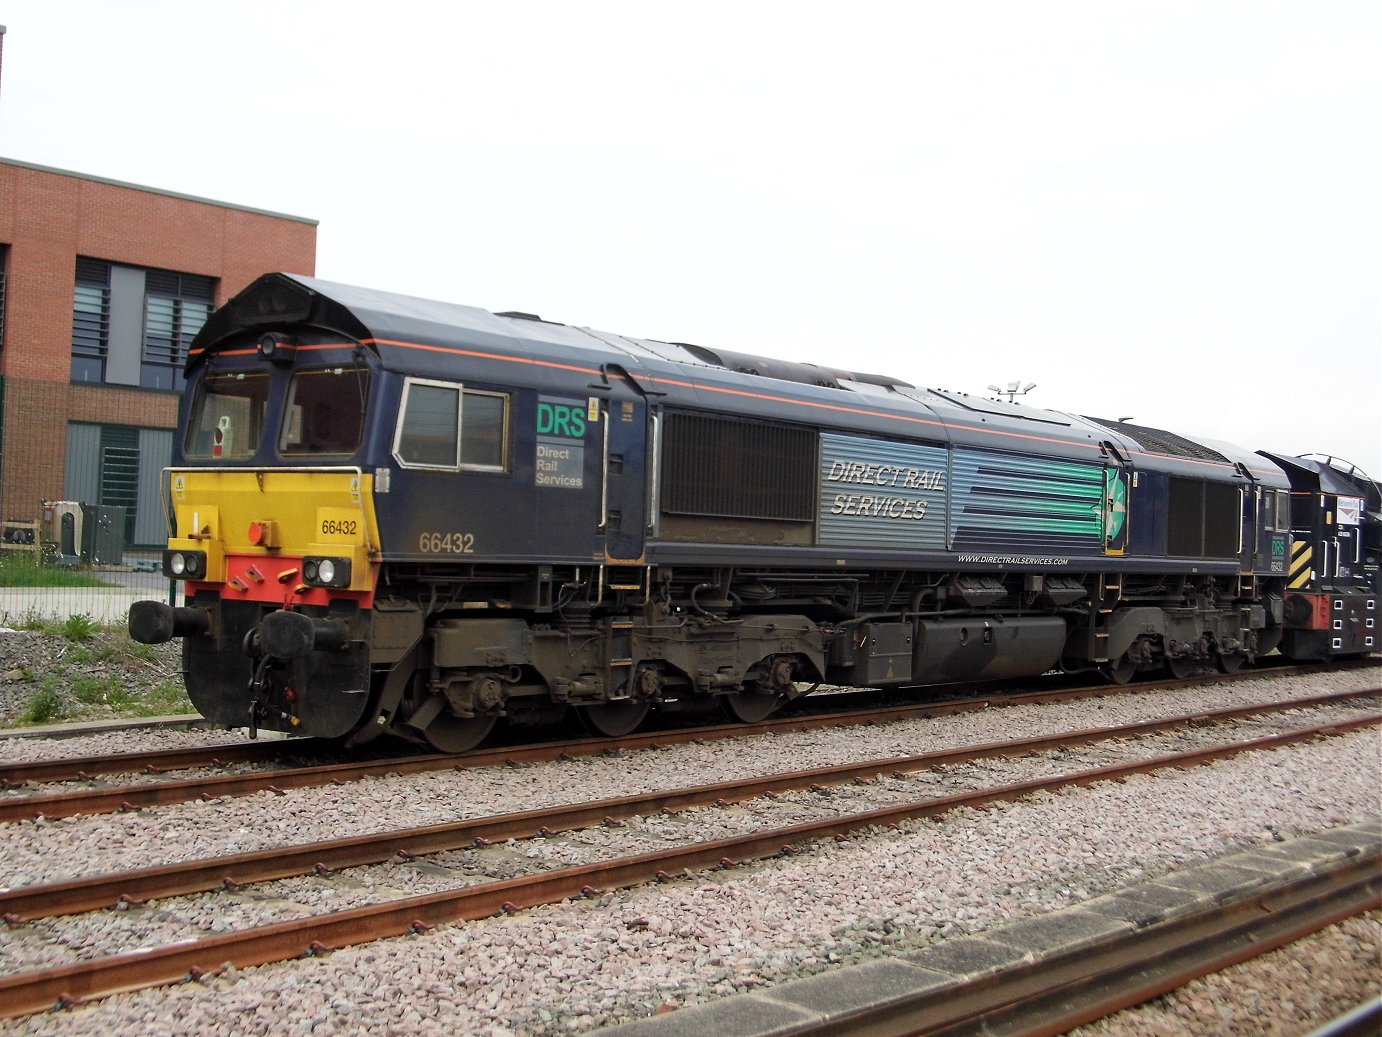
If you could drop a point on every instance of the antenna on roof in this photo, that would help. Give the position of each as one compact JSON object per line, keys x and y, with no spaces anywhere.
{"x":1014,"y":390}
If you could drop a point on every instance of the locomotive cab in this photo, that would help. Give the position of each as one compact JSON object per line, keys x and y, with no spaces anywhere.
{"x":273,"y":532}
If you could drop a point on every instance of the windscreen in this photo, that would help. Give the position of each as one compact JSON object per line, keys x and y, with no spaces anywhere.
{"x":325,"y":412}
{"x":227,"y":418}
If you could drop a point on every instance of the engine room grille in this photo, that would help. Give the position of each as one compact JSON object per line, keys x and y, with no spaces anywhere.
{"x":727,"y":468}
{"x":1205,"y":519}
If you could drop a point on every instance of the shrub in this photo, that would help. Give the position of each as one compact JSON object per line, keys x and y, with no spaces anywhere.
{"x":80,"y":627}
{"x":44,"y":706}
{"x":164,"y":699}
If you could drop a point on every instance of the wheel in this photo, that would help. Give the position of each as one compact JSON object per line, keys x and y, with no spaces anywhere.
{"x":1182,"y":666}
{"x":1120,"y":671}
{"x":613,"y":719}
{"x":749,"y":707}
{"x":448,"y":734}
{"x":1230,"y":662}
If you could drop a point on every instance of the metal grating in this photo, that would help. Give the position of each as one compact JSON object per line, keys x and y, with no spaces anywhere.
{"x":1159,"y":441}
{"x":726,"y":468}
{"x":1205,"y":519}
{"x":120,"y":472}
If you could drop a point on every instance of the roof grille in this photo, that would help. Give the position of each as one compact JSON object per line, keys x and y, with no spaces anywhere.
{"x":1159,"y":441}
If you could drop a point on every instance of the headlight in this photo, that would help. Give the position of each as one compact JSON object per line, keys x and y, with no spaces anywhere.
{"x":184,"y":565}
{"x":326,"y":572}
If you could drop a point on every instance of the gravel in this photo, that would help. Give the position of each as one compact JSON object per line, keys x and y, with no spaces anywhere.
{"x":570,"y":967}
{"x":1305,"y":984}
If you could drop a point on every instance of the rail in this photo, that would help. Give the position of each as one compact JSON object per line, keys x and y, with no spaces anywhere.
{"x":29,"y":992}
{"x":131,"y":797}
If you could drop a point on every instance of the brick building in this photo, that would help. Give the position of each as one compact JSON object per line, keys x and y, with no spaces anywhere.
{"x":102,"y":285}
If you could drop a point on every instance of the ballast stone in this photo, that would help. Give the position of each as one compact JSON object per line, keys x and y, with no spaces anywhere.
{"x":841,"y":992}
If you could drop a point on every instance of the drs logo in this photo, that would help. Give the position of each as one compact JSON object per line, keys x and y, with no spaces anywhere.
{"x":560,"y":419}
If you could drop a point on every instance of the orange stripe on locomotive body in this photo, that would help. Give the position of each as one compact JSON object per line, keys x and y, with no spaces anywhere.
{"x":257,"y":525}
{"x":817,"y":405}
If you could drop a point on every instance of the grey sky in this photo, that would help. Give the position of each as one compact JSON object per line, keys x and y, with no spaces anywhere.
{"x":1164,"y":210}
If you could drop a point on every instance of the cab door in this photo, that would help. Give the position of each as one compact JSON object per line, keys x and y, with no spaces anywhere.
{"x":624,"y":470}
{"x":1273,"y":531}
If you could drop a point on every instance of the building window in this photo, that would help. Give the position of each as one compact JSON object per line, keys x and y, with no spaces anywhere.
{"x":91,"y":321}
{"x":175,"y":308}
{"x":132,"y":325}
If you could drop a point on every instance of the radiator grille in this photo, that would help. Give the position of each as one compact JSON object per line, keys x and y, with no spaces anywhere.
{"x":726,"y":468}
{"x":1205,"y":519}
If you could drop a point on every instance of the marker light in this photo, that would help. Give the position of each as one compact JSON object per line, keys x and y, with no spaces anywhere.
{"x":322,"y":571}
{"x":184,"y":565}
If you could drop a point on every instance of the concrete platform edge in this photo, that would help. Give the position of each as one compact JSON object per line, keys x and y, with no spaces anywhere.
{"x":776,"y":1010}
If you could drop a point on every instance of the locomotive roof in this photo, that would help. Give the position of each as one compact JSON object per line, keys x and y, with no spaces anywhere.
{"x":416,"y":336}
{"x":1317,"y":474}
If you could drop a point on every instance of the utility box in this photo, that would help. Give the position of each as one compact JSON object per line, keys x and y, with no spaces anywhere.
{"x":103,"y":534}
{"x":91,"y":534}
{"x":62,"y":527}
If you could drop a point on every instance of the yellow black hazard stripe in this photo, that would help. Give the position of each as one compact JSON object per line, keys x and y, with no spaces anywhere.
{"x":1302,"y":559}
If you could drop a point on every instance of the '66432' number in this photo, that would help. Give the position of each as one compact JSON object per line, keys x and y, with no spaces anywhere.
{"x":447,"y":543}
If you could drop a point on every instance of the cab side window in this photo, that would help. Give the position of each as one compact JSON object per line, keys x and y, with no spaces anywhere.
{"x":446,"y":426}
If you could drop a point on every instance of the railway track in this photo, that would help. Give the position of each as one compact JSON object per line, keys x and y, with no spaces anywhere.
{"x":28,"y":806}
{"x":34,"y":991}
{"x":1121,"y":965}
{"x":956,"y":697}
{"x":158,"y":761}
{"x":93,"y":892}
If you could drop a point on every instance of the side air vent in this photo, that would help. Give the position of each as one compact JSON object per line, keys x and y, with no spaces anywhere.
{"x":726,"y":468}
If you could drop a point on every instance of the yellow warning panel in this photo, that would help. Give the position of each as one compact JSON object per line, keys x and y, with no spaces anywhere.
{"x":1302,"y":560}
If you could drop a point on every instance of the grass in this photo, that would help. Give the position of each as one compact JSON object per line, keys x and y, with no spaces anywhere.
{"x":92,"y":672}
{"x":24,"y":572}
{"x":79,"y":627}
{"x":44,"y":707}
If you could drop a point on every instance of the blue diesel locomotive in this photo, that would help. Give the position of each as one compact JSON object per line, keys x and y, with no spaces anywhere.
{"x":404,"y":517}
